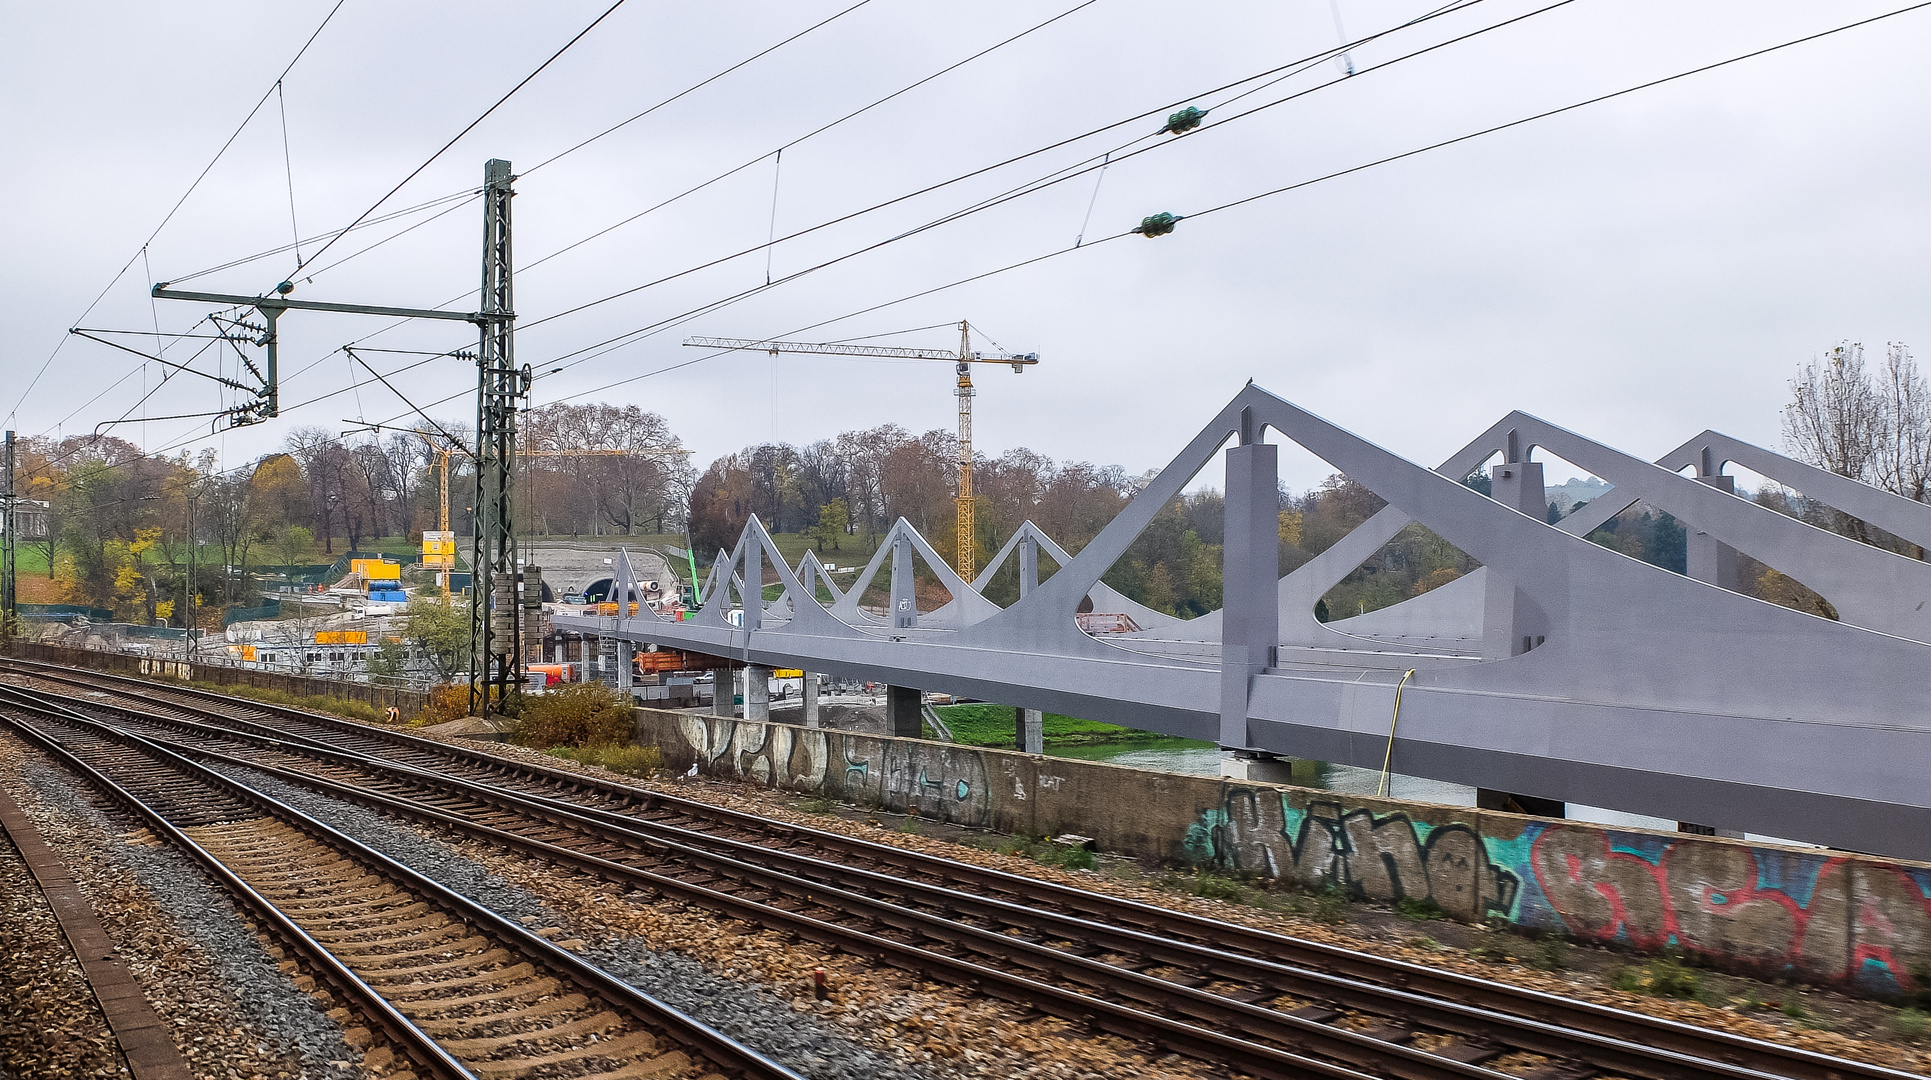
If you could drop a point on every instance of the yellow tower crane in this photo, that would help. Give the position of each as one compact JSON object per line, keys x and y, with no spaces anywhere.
{"x":964,"y":358}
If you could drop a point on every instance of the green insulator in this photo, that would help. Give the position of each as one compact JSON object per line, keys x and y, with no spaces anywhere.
{"x":1184,"y":121}
{"x":1158,"y":225}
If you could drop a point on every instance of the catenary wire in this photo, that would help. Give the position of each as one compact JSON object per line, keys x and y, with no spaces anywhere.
{"x":1051,"y":179}
{"x":169,"y":216}
{"x":1323,"y":178}
{"x":1334,"y":175}
{"x":814,"y":133}
{"x":694,"y":87}
{"x":582,"y":355}
{"x":471,"y":126}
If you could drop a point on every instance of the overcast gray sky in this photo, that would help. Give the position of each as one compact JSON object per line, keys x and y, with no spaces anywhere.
{"x":1638,"y":270}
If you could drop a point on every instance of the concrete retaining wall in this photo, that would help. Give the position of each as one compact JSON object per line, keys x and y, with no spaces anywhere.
{"x":1822,"y":916}
{"x":407,"y":701}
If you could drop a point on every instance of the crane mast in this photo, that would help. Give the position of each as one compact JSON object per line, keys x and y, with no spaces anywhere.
{"x":968,"y":560}
{"x":964,"y":359}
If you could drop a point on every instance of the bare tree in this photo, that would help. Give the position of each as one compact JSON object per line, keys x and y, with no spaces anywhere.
{"x":1869,"y":426}
{"x":1902,"y":459}
{"x":1835,"y":413}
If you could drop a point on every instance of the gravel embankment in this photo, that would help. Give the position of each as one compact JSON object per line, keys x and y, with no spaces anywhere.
{"x":232,"y":1012}
{"x":49,"y":1022}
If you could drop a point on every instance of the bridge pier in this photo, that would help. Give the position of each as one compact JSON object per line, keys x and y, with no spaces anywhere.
{"x":723,"y":689}
{"x":757,"y":692}
{"x":1258,"y":766}
{"x":1511,"y":803}
{"x":1030,"y":734}
{"x":809,"y":695}
{"x":905,"y":712}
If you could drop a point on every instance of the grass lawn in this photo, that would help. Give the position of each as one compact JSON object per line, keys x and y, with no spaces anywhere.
{"x":993,"y":726}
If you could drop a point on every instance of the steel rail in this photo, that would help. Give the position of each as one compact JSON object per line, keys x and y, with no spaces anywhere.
{"x":686,"y":1031}
{"x":1401,"y":1006}
{"x":1397,"y":1005}
{"x":400,"y":1030}
{"x":1229,"y":938}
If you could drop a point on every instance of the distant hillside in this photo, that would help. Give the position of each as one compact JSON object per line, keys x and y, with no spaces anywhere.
{"x":1577,"y":490}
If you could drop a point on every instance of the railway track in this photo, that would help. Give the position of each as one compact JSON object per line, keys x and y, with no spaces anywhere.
{"x":456,"y":991}
{"x":1264,"y":1003}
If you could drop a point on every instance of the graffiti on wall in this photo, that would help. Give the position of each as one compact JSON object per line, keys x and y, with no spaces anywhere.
{"x":1819,"y":915}
{"x":1378,"y":857}
{"x":942,"y":782}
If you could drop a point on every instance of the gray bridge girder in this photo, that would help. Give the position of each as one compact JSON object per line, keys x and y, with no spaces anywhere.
{"x":1648,"y":692}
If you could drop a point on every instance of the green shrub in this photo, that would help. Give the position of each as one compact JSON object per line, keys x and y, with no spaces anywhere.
{"x":629,"y":760}
{"x":1329,"y":905}
{"x":1048,"y":852}
{"x":1419,"y":909}
{"x":1664,"y":977}
{"x":818,"y":804}
{"x":909,"y":824}
{"x":579,"y":715}
{"x":1077,"y":858}
{"x":1209,"y":886}
{"x":1550,"y":954}
{"x":1909,"y":1024}
{"x":1793,"y":1009}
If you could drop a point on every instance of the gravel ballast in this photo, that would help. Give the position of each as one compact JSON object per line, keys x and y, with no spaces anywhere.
{"x":749,"y":1013}
{"x":231,"y":1011}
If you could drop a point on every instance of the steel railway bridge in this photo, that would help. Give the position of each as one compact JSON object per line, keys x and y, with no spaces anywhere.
{"x":1560,"y":670}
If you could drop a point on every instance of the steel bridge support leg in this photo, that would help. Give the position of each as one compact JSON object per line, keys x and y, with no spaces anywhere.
{"x":1511,"y":624}
{"x":1250,"y":609}
{"x":1711,"y":560}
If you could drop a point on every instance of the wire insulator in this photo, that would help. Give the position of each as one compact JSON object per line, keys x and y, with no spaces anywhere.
{"x":1184,"y":121}
{"x":1158,"y":225}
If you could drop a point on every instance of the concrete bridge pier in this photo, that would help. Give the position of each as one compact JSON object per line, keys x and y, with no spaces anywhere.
{"x":1032,"y":731}
{"x":905,"y":712}
{"x":757,"y":692}
{"x":1508,"y":802}
{"x":1259,"y":766}
{"x":723,"y":689}
{"x":809,"y":696}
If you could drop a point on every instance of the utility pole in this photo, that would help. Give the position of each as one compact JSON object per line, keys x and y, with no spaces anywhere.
{"x":496,"y":624}
{"x":9,"y":610}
